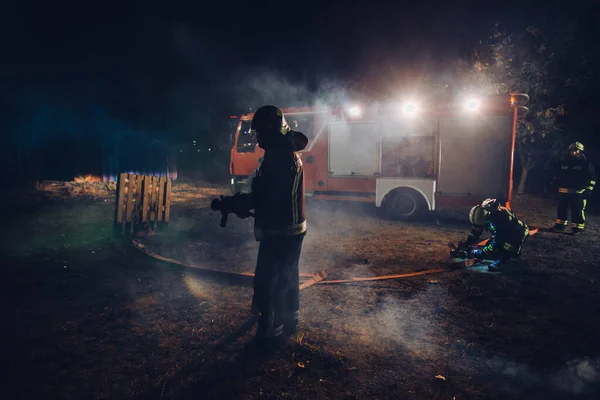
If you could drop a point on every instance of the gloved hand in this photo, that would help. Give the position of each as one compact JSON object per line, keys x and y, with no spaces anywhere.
{"x":462,"y":254}
{"x":215,"y":205}
{"x":459,"y":251}
{"x":476,"y":253}
{"x":235,"y":204}
{"x":243,"y":214}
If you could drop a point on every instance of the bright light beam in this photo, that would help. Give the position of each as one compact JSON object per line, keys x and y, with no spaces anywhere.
{"x":409,"y":108}
{"x":472,"y":104}
{"x":355,"y":111}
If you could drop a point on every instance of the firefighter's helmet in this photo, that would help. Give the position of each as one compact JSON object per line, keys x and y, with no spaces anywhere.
{"x":268,"y":124}
{"x":576,"y":146}
{"x":490,"y":204}
{"x":480,"y":214}
{"x":272,"y":130}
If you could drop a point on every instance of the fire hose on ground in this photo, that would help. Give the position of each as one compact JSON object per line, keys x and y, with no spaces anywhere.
{"x":313,"y":278}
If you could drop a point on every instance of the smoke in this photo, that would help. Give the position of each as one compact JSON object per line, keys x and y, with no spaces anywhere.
{"x":366,"y":315}
{"x":217,"y":78}
{"x":578,"y":376}
{"x":410,"y":323}
{"x":254,"y":87}
{"x":407,"y":322}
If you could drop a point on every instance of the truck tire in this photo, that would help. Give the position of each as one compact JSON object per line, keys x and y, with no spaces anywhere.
{"x":404,"y":204}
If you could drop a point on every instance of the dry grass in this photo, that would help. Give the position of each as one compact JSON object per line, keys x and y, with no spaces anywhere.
{"x":197,"y":195}
{"x":86,"y":187}
{"x":87,"y":179}
{"x":116,"y":324}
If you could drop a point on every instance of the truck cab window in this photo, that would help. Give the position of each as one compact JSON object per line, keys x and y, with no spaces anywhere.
{"x":246,"y":141}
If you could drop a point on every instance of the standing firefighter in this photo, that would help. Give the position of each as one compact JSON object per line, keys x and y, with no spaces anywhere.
{"x":575,"y":179}
{"x":508,"y":233}
{"x":277,"y":198}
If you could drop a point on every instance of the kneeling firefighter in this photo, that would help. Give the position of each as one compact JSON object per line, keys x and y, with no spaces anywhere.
{"x":508,"y":233}
{"x":277,"y":198}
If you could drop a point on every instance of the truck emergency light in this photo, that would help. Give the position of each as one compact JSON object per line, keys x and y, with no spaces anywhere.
{"x":472,"y":104}
{"x":409,"y":108}
{"x":355,"y":111}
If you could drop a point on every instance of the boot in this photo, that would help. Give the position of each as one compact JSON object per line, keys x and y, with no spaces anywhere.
{"x":262,"y":346}
{"x":559,"y":228}
{"x":495,"y":266}
{"x":290,"y":329}
{"x":576,"y":231}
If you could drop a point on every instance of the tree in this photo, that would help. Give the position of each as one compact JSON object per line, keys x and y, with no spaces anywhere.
{"x":530,"y":62}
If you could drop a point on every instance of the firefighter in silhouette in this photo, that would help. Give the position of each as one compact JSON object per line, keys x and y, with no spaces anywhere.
{"x":277,"y":198}
{"x":508,"y":233}
{"x":575,"y":179}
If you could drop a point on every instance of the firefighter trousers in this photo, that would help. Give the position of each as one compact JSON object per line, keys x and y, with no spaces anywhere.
{"x":504,"y":249}
{"x":277,"y":284}
{"x":577,"y":203}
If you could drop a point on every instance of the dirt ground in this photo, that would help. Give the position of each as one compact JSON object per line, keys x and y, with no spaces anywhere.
{"x":89,"y":316}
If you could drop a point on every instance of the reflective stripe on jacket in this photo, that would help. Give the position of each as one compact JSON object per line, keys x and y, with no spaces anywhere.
{"x":278,"y":196}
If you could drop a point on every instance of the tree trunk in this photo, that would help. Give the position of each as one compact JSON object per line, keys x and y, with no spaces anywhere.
{"x":523,"y":180}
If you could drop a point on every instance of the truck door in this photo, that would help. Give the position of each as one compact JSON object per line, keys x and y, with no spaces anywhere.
{"x":246,"y":156}
{"x":474,"y":156}
{"x":353,"y":158}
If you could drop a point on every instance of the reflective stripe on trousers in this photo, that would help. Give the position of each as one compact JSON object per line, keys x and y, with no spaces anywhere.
{"x":577,"y":204}
{"x":565,"y":190}
{"x":511,"y":248}
{"x":292,"y":230}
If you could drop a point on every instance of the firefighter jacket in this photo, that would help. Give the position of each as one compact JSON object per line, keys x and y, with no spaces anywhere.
{"x":508,"y":232}
{"x":277,"y":196}
{"x":575,"y":175}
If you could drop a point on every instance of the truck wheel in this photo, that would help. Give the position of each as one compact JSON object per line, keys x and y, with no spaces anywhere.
{"x":404,"y":204}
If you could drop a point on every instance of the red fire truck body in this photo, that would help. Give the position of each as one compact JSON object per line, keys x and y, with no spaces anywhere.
{"x":404,"y":158}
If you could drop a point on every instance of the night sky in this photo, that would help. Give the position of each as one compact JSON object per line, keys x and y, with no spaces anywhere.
{"x":155,"y":65}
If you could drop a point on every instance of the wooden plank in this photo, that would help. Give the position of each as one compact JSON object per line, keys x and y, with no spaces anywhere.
{"x":116,"y":225}
{"x":161,"y":199}
{"x":120,"y":197}
{"x":133,"y":181}
{"x":145,"y":198}
{"x":138,"y":199}
{"x":153,"y":199}
{"x":130,"y":189}
{"x":168,"y":200}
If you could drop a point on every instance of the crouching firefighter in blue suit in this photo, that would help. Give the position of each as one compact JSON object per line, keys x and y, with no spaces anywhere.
{"x":508,"y":233}
{"x":277,"y":198}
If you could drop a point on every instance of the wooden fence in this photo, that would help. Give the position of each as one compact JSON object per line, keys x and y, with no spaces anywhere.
{"x":142,"y":202}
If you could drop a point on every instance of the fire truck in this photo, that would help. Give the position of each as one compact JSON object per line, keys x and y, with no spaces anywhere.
{"x":406,"y":158}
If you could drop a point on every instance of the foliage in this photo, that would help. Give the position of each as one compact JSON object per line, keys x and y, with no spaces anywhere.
{"x":525,"y":62}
